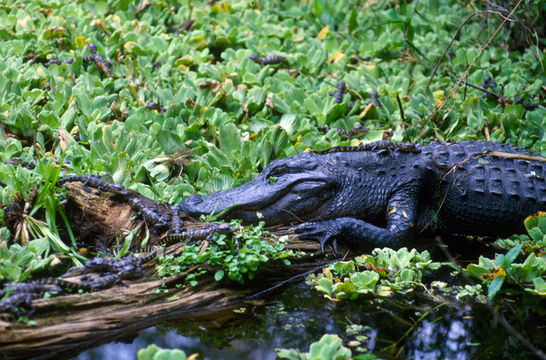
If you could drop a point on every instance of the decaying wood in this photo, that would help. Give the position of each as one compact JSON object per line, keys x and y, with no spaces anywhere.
{"x":68,"y":324}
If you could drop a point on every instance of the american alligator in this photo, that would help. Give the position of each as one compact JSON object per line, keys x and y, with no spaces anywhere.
{"x":175,"y":230}
{"x":203,"y":233}
{"x":384,"y":193}
{"x":21,"y":294}
{"x":338,"y":94}
{"x":150,"y":214}
{"x":268,"y":60}
{"x":129,"y":264}
{"x":94,"y":181}
{"x":356,"y":130}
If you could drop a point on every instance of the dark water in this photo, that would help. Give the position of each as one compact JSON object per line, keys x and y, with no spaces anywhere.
{"x":406,"y":327}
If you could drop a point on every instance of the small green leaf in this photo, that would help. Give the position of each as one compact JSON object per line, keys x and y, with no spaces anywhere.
{"x":230,"y":141}
{"x":511,"y":256}
{"x":168,"y":354}
{"x":148,"y":352}
{"x":476,"y":271}
{"x":219,"y":275}
{"x":353,"y":21}
{"x":329,"y":347}
{"x":494,"y":287}
{"x":536,"y":234}
{"x":540,"y":285}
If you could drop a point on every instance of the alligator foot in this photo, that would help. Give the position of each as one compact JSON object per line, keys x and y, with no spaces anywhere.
{"x":355,"y":233}
{"x":327,"y":232}
{"x":151,"y":215}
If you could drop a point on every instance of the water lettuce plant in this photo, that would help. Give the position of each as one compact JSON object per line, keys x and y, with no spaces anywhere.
{"x":153,"y":352}
{"x":328,"y":347}
{"x":503,"y":273}
{"x":384,"y":271}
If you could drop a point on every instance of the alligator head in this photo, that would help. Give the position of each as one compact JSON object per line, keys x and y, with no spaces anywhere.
{"x":294,"y":189}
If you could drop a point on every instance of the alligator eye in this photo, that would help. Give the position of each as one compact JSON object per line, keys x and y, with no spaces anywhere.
{"x":277,"y":170}
{"x":272,"y":180}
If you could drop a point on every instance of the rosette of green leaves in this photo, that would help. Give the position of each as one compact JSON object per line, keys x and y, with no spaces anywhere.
{"x":328,"y":347}
{"x":529,"y":275}
{"x":18,"y":262}
{"x":153,"y":352}
{"x":380,"y":273}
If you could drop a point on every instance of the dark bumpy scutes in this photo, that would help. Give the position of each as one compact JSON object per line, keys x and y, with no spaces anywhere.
{"x":193,"y":235}
{"x":94,"y":181}
{"x":268,"y":60}
{"x":151,"y":215}
{"x":20,"y":295}
{"x":383,"y":193}
{"x":356,"y":130}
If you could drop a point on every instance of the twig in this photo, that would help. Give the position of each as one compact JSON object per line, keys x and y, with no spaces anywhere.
{"x":539,"y":353}
{"x":487,"y":91}
{"x":405,"y":335}
{"x":486,"y":131}
{"x":400,"y":107}
{"x":503,"y":100}
{"x":289,"y":280}
{"x":516,"y":156}
{"x":457,"y":33}
{"x":454,"y":89}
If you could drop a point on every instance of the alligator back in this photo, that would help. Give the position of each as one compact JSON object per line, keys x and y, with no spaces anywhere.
{"x":482,"y":188}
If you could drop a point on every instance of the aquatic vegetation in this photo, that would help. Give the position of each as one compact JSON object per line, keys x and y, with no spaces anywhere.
{"x":503,"y":273}
{"x":128,"y":91}
{"x":237,"y":264}
{"x":153,"y":352}
{"x":328,"y":347}
{"x":384,"y":271}
{"x":17,"y":262}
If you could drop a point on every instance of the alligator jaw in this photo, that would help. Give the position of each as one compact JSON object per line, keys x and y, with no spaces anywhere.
{"x":292,"y":196}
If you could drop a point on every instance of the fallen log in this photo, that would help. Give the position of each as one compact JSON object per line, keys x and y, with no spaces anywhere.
{"x":68,"y":324}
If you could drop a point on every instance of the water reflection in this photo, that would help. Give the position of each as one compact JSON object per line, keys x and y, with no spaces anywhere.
{"x":443,"y":338}
{"x":409,"y":327}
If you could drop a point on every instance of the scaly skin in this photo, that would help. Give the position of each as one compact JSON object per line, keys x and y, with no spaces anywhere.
{"x":94,"y":181}
{"x":383,"y":194}
{"x":203,"y":233}
{"x":21,"y":294}
{"x":358,"y":129}
{"x":151,"y":216}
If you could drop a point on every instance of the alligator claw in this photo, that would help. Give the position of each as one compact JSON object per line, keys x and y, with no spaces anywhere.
{"x":320,"y":231}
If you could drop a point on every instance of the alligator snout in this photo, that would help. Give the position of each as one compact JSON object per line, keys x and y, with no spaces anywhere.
{"x":291,"y":187}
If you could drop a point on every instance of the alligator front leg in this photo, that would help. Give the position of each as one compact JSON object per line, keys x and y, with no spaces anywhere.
{"x":359,"y":234}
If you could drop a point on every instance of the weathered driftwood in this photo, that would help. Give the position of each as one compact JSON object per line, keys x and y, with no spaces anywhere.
{"x":68,"y":324}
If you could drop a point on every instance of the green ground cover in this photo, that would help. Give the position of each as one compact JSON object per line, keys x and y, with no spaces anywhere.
{"x":177,"y":76}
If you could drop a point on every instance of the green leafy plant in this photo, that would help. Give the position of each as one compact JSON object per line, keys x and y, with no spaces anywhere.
{"x":153,"y":352}
{"x":380,"y":273}
{"x":530,"y":275}
{"x":535,"y":241}
{"x":17,"y":262}
{"x":328,"y":347}
{"x":222,"y":253}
